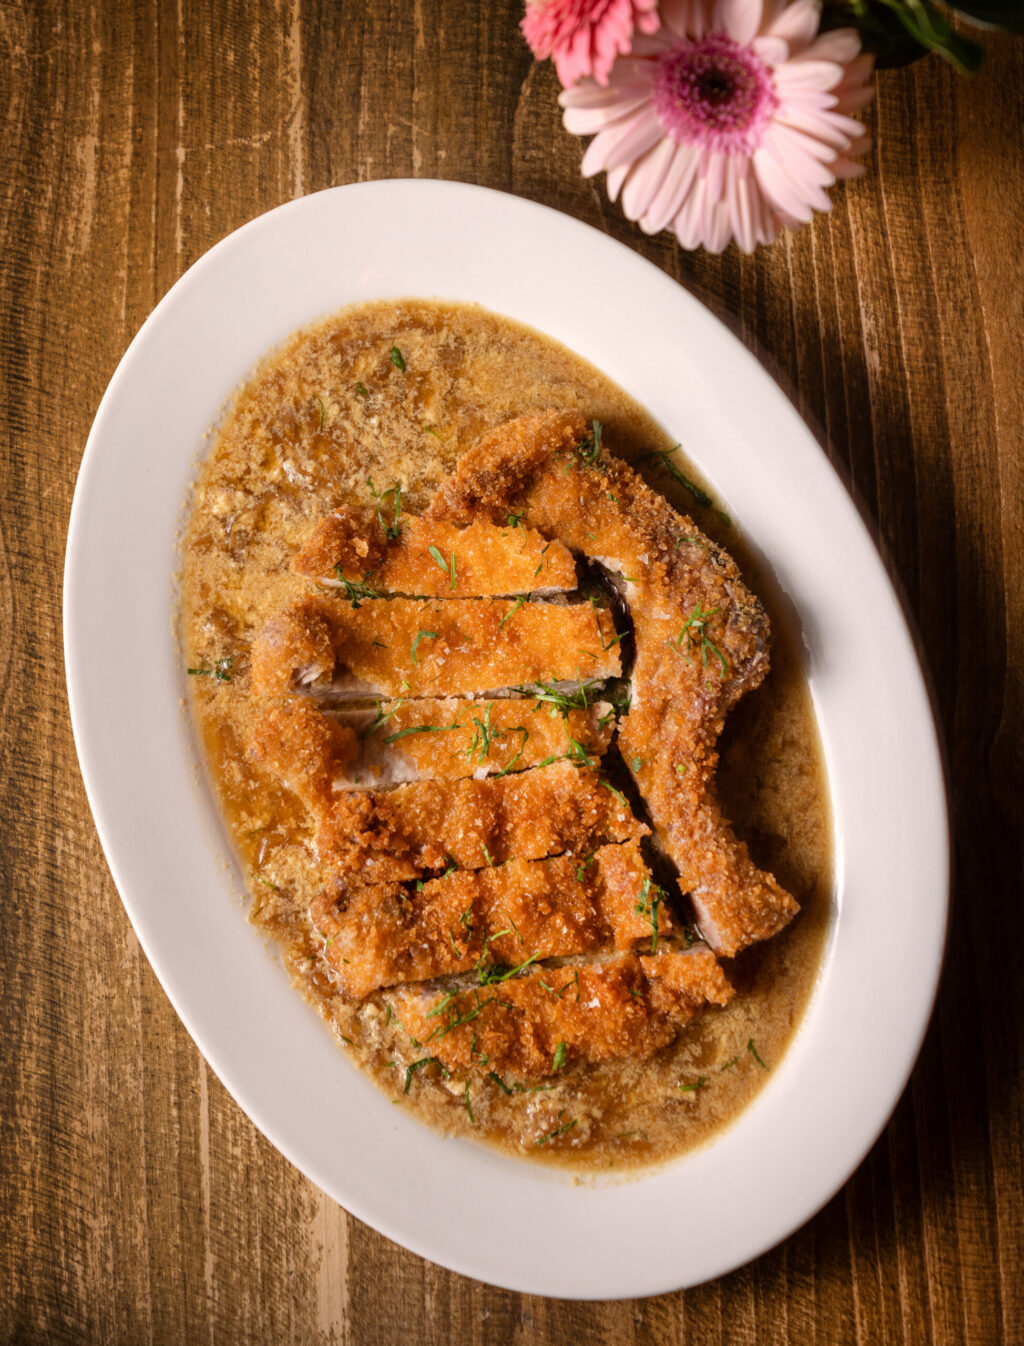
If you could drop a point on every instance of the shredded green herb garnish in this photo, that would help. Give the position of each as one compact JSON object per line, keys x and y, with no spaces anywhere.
{"x":648,"y":904}
{"x":221,"y":671}
{"x":559,"y":1058}
{"x":323,"y":412}
{"x":418,"y":1065}
{"x":754,"y":1053}
{"x":692,"y":1088}
{"x":432,"y":430}
{"x":499,"y":1082}
{"x":729,"y":1064}
{"x":362,"y":390}
{"x":584,"y":864}
{"x":694,"y":635}
{"x":637,"y":763}
{"x":393,"y":529}
{"x":617,"y":793}
{"x":562,"y":702}
{"x":356,"y":590}
{"x":447,"y":566}
{"x":575,"y":981}
{"x":511,"y":612}
{"x":397,"y":359}
{"x":589,"y":450}
{"x":387,"y":1015}
{"x":540,"y":563}
{"x":558,"y":1131}
{"x":421,"y":635}
{"x":421,"y":729}
{"x":487,"y":854}
{"x":701,"y":496}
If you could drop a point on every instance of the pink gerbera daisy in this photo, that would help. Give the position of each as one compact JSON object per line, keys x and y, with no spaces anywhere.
{"x":585,"y":36}
{"x":729,"y":122}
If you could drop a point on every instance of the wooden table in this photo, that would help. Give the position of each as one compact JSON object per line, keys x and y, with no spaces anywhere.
{"x":136,"y":1201}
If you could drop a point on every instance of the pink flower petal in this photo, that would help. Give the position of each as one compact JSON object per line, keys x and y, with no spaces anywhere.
{"x":741,"y":19}
{"x":645,"y":131}
{"x":808,"y":74}
{"x":798,"y":23}
{"x":587,"y":94}
{"x":616,"y":177}
{"x":840,"y":45}
{"x":780,"y":188}
{"x":588,"y":121}
{"x":646,"y":176}
{"x":772,"y":50}
{"x":669,"y":198}
{"x":604,"y":144}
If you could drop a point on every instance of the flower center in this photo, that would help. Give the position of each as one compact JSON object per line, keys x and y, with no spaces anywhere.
{"x":714,"y":94}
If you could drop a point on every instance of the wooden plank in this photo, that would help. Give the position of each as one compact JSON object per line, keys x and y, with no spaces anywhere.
{"x":136,"y":1201}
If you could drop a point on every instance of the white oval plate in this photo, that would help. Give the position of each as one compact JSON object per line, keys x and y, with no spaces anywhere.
{"x":461,"y":1204}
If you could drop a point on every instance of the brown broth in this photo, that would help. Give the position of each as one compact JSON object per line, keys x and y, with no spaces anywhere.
{"x":320,"y":417}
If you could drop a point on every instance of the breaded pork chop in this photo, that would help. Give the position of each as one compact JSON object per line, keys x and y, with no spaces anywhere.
{"x":422,"y":829}
{"x":532,"y":1026}
{"x":701,"y":642}
{"x":319,"y":753}
{"x":409,"y":647}
{"x":520,"y":911}
{"x":431,"y":558}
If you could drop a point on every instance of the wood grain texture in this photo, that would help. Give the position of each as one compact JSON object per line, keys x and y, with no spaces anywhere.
{"x":137,"y":1203}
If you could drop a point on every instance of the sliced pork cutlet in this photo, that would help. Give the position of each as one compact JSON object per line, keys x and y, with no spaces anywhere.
{"x":420,"y":830}
{"x":518,"y":912}
{"x":701,"y":640}
{"x":319,"y":753}
{"x":530,"y":1027}
{"x":366,"y":554}
{"x":415,"y":648}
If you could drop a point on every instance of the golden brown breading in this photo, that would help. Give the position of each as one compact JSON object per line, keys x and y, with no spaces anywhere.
{"x":701,"y":642}
{"x":319,"y":753}
{"x":628,"y":1006}
{"x":407,"y":647}
{"x":526,"y":909}
{"x":420,"y":829}
{"x":479,"y":560}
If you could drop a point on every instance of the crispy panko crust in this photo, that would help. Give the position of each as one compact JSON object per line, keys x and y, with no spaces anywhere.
{"x":526,"y":909}
{"x":489,"y":558}
{"x":317,"y":753}
{"x":522,"y":1029}
{"x":408,"y":647}
{"x":701,"y":642}
{"x":421,"y":829}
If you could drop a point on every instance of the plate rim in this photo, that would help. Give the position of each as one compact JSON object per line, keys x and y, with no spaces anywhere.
{"x":434,"y":195}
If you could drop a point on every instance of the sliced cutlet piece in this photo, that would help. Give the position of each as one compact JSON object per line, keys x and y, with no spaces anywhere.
{"x":422,"y":829}
{"x":409,"y":647}
{"x":701,"y":641}
{"x":431,"y":558}
{"x":319,"y":753}
{"x":530,"y":1026}
{"x":524,"y":910}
